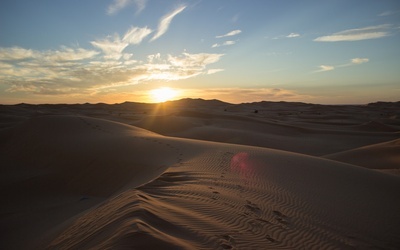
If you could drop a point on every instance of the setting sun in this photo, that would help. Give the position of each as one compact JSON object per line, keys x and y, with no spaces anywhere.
{"x":163,"y":94}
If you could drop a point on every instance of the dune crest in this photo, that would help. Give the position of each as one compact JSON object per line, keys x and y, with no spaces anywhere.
{"x":383,"y":156}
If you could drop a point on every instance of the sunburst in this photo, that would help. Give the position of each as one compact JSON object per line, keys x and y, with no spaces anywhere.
{"x":163,"y":94}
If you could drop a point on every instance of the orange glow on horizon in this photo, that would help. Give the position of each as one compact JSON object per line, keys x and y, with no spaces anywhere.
{"x":163,"y":94}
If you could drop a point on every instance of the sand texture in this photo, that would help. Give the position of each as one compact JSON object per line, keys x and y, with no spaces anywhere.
{"x":195,"y":174}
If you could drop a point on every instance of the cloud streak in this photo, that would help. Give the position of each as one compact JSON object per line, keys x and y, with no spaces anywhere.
{"x":354,"y":61}
{"x":117,"y":5}
{"x":323,"y":68}
{"x":214,"y":71}
{"x":293,"y":35}
{"x":64,"y":54}
{"x":113,"y":46}
{"x":135,"y":35}
{"x":226,"y":43}
{"x":165,"y":21}
{"x":388,"y":13}
{"x":16,"y":53}
{"x":370,"y":32}
{"x":140,"y":5}
{"x":232,"y":33}
{"x":359,"y":60}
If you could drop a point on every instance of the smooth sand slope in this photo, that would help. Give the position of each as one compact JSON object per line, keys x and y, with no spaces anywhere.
{"x":75,"y":182}
{"x":382,"y":156}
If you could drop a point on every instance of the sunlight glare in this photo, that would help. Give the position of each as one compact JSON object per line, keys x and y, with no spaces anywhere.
{"x":163,"y":94}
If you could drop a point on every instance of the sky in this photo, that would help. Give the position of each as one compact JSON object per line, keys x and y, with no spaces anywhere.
{"x":112,"y":51}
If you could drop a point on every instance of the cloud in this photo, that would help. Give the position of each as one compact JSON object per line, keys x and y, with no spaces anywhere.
{"x":113,"y":46}
{"x":232,"y":33}
{"x":117,"y":5}
{"x":16,"y":53}
{"x":235,"y":18}
{"x":354,"y":61}
{"x":83,"y":72}
{"x":226,"y":43}
{"x":359,"y":60}
{"x":213,"y":71}
{"x":68,"y":54}
{"x":135,"y":35}
{"x":371,"y":32}
{"x":165,"y":21}
{"x":388,"y":13}
{"x":324,"y":68}
{"x":194,"y":60}
{"x":79,"y":71}
{"x":140,"y":5}
{"x":64,"y":54}
{"x":293,"y":35}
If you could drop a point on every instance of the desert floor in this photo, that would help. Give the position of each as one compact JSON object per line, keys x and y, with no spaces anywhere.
{"x":197,"y":174}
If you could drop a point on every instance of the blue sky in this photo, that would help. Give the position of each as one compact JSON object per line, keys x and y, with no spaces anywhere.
{"x":334,"y":51}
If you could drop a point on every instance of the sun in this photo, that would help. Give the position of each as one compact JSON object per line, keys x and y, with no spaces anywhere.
{"x":163,"y":94}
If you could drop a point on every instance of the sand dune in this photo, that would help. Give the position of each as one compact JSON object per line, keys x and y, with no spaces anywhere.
{"x":76,"y":182}
{"x":315,"y":129}
{"x":382,"y":156}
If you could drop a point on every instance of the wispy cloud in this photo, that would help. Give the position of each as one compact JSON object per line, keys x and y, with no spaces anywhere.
{"x":113,"y":46}
{"x":64,"y":54}
{"x":323,"y":68}
{"x":213,"y":71}
{"x":117,"y":5}
{"x":235,"y":18}
{"x":232,"y":33}
{"x":165,"y":21}
{"x":194,"y":61}
{"x":293,"y":35}
{"x":135,"y":35}
{"x":371,"y":32}
{"x":389,"y":13}
{"x":140,"y":5}
{"x":354,"y":61}
{"x":16,"y":53}
{"x":359,"y":60}
{"x":226,"y":43}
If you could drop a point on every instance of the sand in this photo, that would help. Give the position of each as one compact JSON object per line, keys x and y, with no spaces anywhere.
{"x":197,"y":174}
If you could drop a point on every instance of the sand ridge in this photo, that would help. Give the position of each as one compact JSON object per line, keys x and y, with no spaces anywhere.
{"x":246,"y":197}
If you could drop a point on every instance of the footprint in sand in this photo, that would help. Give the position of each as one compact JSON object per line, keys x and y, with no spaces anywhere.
{"x":253,"y":207}
{"x":215,"y":195}
{"x":280,"y":217}
{"x":227,"y":241}
{"x":270,"y":239}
